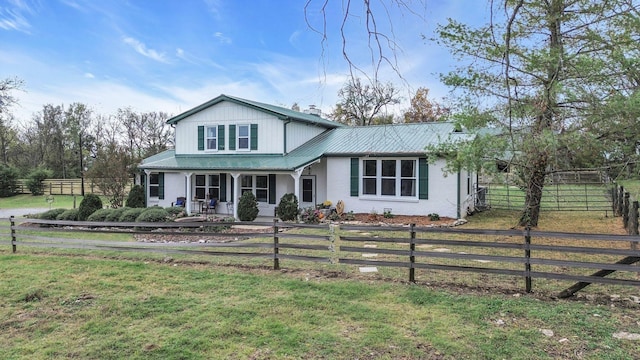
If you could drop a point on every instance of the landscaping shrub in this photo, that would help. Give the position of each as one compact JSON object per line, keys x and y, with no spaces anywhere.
{"x":88,"y":206}
{"x":310,"y":215}
{"x":130,"y":215}
{"x":135,"y":199}
{"x":51,"y":214}
{"x":434,"y":216}
{"x":8,"y":181}
{"x":35,"y":181}
{"x":115,"y":214}
{"x":247,"y":207}
{"x":153,"y":214}
{"x":69,"y":215}
{"x":100,"y":215}
{"x":288,"y":207}
{"x":175,"y":211}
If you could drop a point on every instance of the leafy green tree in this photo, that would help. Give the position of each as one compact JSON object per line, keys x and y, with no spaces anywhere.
{"x":538,"y":75}
{"x":8,"y":180}
{"x":35,"y":181}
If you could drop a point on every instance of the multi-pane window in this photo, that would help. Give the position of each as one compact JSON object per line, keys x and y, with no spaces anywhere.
{"x":154,"y":185}
{"x":369,"y":177}
{"x":201,"y":186}
{"x":212,"y":138}
{"x":258,"y":184}
{"x":389,"y":177}
{"x":208,"y":186}
{"x":243,"y":137}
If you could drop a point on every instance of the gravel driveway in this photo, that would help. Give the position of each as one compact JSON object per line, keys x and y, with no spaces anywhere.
{"x":6,"y":213}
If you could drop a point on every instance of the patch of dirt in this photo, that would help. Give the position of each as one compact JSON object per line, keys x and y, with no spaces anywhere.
{"x":402,"y":220}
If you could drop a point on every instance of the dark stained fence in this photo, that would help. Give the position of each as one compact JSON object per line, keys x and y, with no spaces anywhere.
{"x":422,"y":251}
{"x":66,"y":187}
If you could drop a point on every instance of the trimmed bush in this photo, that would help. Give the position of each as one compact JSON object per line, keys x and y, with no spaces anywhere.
{"x":154,"y":214}
{"x":116,"y":214}
{"x":288,"y":207}
{"x":51,"y":214}
{"x":35,"y":181}
{"x":100,"y":215}
{"x":248,"y":207}
{"x":130,"y":215}
{"x":69,"y":215}
{"x":175,"y":211}
{"x":136,"y":197}
{"x":90,"y":204}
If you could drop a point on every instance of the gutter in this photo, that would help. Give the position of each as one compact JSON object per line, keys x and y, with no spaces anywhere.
{"x":458,"y":195}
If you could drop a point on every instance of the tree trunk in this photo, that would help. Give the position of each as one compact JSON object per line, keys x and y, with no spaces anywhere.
{"x":535,"y":184}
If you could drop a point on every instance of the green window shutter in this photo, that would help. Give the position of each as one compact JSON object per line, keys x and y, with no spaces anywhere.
{"x":254,"y":136}
{"x":423,"y":178}
{"x":200,"y":137}
{"x":220,"y":137}
{"x":161,"y":185}
{"x":232,"y":137}
{"x":143,"y":182}
{"x":272,"y":188}
{"x":355,"y":176}
{"x":223,"y":187}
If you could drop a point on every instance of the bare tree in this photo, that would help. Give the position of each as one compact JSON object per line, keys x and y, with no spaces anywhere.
{"x":361,"y":104}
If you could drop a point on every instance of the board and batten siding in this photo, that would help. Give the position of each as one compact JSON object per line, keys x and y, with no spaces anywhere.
{"x":300,"y":133}
{"x":442,"y":199}
{"x":270,"y":133}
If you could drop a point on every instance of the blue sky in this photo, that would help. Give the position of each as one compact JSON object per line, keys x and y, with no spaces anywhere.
{"x":156,"y":55}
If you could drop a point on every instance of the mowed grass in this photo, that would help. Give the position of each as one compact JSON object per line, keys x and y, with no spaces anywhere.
{"x":97,"y":308}
{"x":30,"y":201}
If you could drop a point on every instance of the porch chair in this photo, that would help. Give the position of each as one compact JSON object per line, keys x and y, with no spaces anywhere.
{"x":209,"y":205}
{"x":180,"y":201}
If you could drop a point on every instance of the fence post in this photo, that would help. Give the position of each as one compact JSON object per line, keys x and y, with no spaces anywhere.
{"x":620,"y":200}
{"x":625,"y":212}
{"x":527,"y":259}
{"x":412,"y":258}
{"x":276,"y":250}
{"x":50,"y":188}
{"x":614,"y":199}
{"x":13,"y":233}
{"x":332,"y":242}
{"x":633,"y":223}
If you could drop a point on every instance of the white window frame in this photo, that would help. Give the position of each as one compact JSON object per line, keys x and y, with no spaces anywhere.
{"x":248,"y":137}
{"x":398,"y":179}
{"x":207,"y":186}
{"x":207,"y":137}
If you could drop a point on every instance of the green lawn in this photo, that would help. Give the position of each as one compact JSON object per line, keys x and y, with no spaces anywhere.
{"x":30,"y":201}
{"x":96,"y":308}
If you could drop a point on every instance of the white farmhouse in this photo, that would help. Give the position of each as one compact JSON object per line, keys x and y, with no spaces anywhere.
{"x":229,"y":145}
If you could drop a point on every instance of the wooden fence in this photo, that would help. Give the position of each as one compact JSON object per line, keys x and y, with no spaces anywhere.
{"x":66,"y":187}
{"x":625,"y":206}
{"x":521,"y":254}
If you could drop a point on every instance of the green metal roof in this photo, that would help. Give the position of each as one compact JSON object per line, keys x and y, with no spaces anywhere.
{"x":280,"y":112}
{"x":395,"y":139}
{"x":383,"y":140}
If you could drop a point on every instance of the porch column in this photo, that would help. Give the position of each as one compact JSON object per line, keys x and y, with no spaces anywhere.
{"x":296,"y":182}
{"x":187,"y":203}
{"x":146,"y":186}
{"x":235,"y":195}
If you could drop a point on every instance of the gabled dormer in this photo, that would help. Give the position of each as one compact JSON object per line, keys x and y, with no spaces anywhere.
{"x":231,"y":125}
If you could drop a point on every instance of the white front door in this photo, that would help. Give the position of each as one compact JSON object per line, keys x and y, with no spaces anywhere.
{"x":307,"y":196}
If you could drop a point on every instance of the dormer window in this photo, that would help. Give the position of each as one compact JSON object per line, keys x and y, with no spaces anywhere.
{"x":243,"y":137}
{"x":212,"y":138}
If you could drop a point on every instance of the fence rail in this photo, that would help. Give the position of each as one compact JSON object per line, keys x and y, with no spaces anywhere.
{"x":557,"y":196}
{"x":523,"y":254}
{"x":65,"y":187}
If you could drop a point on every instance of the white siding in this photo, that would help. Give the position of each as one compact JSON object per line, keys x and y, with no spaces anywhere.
{"x":299,"y":133}
{"x":442,"y":200}
{"x":270,"y":128}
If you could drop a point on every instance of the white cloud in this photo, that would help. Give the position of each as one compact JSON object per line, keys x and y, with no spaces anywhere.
{"x":12,"y":16}
{"x":222,"y":38}
{"x":89,"y":75}
{"x":142,"y":49}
